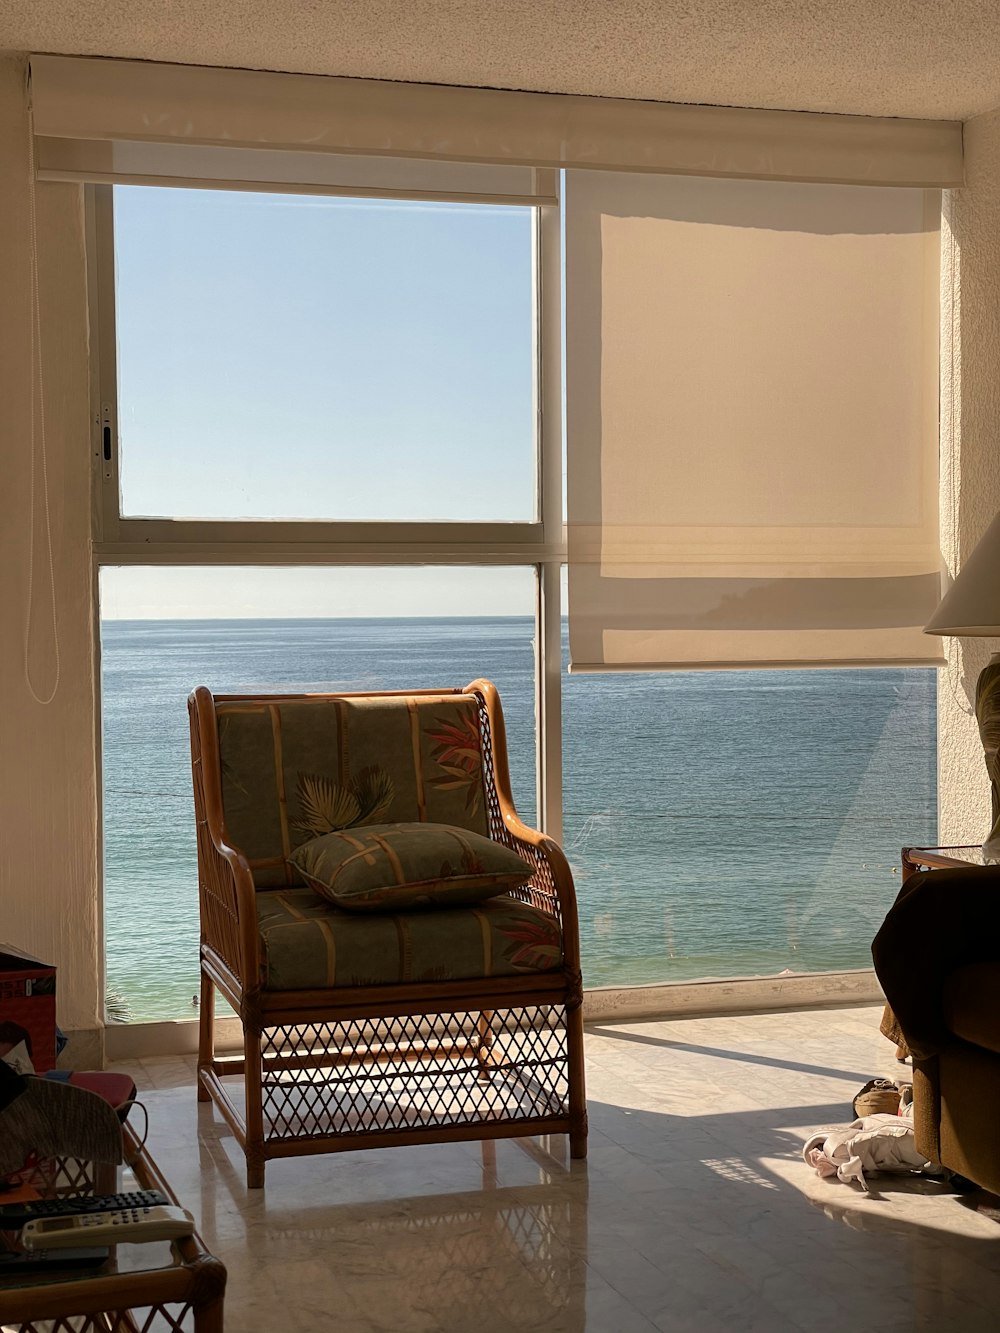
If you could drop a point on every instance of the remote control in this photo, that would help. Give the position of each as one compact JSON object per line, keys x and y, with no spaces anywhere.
{"x":124,"y":1226}
{"x":17,"y":1263}
{"x":13,"y":1216}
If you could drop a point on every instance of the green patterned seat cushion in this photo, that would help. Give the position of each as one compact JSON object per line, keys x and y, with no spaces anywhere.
{"x":310,"y":944}
{"x":397,"y":867}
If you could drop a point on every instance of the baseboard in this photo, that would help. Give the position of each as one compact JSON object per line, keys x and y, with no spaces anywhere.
{"x":690,"y":999}
{"x":739,"y":995}
{"x":135,"y":1041}
{"x":84,"y":1049}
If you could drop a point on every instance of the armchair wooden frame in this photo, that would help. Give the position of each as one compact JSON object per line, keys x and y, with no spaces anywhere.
{"x":323,"y":1070}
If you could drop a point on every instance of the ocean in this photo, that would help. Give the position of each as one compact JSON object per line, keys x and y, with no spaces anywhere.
{"x":719,"y":824}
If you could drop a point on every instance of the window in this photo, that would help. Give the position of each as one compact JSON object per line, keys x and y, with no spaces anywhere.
{"x":742,"y":823}
{"x":330,"y":456}
{"x":381,"y":350}
{"x":294,"y":384}
{"x":165,"y":630}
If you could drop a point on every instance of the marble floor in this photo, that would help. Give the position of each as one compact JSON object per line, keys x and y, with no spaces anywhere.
{"x":694,"y":1211}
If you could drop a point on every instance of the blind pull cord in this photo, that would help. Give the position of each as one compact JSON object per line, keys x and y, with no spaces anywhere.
{"x":37,"y":442}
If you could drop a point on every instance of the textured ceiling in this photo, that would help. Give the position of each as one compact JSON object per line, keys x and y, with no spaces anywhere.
{"x":935,"y":58}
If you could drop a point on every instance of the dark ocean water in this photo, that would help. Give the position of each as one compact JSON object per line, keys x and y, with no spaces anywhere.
{"x":719,"y":824}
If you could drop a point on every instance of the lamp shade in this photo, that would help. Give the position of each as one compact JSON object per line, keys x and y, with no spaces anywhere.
{"x":972,"y":604}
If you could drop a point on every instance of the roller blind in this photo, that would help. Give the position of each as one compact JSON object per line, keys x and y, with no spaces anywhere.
{"x":752,"y":373}
{"x":94,"y":102}
{"x":194,"y":166}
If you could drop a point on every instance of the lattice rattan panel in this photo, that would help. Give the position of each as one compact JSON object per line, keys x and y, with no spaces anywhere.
{"x":418,"y":1072}
{"x":62,"y":1177}
{"x":155,"y":1319}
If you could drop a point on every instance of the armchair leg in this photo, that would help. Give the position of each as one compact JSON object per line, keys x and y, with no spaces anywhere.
{"x":206,"y":1032}
{"x":577,"y":1084}
{"x":253,"y":1080}
{"x":255,"y":1173}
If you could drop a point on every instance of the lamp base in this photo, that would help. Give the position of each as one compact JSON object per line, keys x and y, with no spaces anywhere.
{"x":988,"y":717}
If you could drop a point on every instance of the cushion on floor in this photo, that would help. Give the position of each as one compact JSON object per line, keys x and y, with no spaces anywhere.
{"x":309,"y":943}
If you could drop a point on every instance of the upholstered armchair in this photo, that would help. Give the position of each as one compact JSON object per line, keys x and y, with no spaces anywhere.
{"x":367,"y":1028}
{"x":937,"y":956}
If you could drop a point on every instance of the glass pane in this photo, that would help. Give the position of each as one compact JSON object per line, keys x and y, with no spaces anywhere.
{"x":164,"y":631}
{"x":299,"y":357}
{"x":733,"y":824}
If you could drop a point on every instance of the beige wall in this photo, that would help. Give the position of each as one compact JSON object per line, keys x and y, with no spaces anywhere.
{"x":970,"y":418}
{"x":48,"y":755}
{"x":48,"y":787}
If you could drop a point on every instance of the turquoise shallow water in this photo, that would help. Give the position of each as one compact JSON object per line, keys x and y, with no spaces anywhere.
{"x":719,"y":824}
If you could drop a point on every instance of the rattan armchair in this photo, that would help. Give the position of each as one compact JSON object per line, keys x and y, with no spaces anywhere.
{"x":371,"y":1032}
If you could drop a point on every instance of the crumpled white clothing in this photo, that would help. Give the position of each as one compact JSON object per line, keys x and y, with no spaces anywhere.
{"x":873,"y":1143}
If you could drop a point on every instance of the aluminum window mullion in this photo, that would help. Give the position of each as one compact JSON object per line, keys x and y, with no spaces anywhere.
{"x":334,"y":535}
{"x":104,"y":351}
{"x":136,"y":552}
{"x":548,"y":682}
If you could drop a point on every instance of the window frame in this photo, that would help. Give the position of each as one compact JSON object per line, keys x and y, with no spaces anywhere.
{"x":540,"y":543}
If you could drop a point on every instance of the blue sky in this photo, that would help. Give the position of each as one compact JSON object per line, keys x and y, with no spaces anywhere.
{"x":285,"y":356}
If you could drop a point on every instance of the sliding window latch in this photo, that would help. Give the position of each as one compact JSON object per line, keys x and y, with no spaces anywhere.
{"x":107,"y":442}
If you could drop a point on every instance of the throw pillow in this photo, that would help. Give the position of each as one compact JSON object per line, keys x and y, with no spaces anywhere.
{"x":396,"y":867}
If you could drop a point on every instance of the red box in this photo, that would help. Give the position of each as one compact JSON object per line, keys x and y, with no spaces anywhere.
{"x":28,"y":1006}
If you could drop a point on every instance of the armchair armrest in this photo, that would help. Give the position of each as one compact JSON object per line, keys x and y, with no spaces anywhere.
{"x":551,"y":888}
{"x":941,"y":920}
{"x":226,"y":889}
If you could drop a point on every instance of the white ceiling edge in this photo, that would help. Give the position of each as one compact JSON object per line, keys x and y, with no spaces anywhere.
{"x":904,"y":58}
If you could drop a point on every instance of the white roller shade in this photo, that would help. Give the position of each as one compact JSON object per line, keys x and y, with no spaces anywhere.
{"x":122,"y":101}
{"x":194,"y":166}
{"x":752,"y":423}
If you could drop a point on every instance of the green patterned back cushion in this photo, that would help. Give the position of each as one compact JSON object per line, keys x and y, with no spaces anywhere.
{"x":293,"y":770}
{"x":396,"y":867}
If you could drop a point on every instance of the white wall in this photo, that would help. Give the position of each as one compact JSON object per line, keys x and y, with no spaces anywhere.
{"x":970,"y":406}
{"x":48,"y":788}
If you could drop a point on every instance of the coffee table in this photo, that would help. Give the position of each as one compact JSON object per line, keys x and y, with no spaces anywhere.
{"x":156,"y":1287}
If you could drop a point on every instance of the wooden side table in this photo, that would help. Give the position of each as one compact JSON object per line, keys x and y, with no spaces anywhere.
{"x":160,"y":1285}
{"x":939,"y":858}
